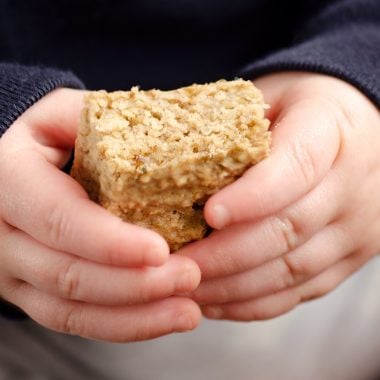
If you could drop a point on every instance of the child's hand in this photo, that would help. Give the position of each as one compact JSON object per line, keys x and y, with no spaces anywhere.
{"x":299,"y":223}
{"x":68,"y":263}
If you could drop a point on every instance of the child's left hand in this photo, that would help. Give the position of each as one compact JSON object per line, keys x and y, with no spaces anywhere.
{"x":300,"y":222}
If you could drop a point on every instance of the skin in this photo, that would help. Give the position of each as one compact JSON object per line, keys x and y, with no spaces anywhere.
{"x":290,"y":230}
{"x":300,"y":222}
{"x":69,"y":264}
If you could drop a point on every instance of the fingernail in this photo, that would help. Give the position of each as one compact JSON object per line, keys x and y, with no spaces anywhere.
{"x":184,"y":323}
{"x":221,"y":216}
{"x":212,"y":312}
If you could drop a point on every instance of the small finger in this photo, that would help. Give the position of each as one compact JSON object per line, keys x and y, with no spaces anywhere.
{"x":279,"y":303}
{"x":322,"y":251}
{"x":332,"y":277}
{"x":254,"y":310}
{"x":106,"y":323}
{"x":70,"y":277}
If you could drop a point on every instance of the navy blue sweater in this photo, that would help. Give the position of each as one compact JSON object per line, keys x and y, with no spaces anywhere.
{"x":114,"y":44}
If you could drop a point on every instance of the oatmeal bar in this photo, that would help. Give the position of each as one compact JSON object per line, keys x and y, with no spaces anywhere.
{"x":154,"y":157}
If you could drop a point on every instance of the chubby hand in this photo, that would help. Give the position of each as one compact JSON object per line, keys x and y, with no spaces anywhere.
{"x":69,"y":264}
{"x":300,"y":222}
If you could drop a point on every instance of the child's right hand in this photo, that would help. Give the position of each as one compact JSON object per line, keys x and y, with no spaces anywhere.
{"x":69,"y":264}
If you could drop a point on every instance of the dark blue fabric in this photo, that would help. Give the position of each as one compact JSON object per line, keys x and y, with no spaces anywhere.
{"x":342,"y":41}
{"x":21,"y":86}
{"x":114,"y":44}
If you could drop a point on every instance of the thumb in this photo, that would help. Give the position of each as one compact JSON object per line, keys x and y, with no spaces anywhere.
{"x":305,"y":143}
{"x":53,"y":120}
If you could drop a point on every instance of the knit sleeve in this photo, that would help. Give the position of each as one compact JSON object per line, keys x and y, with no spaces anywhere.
{"x":21,"y":86}
{"x":341,"y":40}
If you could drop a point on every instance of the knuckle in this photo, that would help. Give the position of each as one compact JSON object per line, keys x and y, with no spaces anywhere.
{"x":302,"y":162}
{"x":281,"y":276}
{"x":58,"y":225}
{"x":286,"y":232}
{"x":297,"y":269}
{"x":289,"y":275}
{"x":68,"y":280}
{"x":71,"y":321}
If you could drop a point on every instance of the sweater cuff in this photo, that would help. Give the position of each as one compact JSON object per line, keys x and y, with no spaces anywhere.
{"x":335,"y":54}
{"x":22,"y":86}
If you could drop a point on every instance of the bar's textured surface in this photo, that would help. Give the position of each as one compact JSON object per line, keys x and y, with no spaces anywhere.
{"x":154,"y":157}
